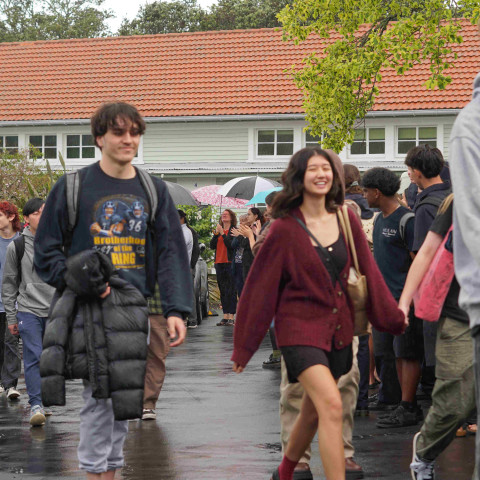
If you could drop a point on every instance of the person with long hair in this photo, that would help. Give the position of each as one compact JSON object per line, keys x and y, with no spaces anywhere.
{"x":302,"y":270}
{"x":221,"y":242}
{"x":248,"y":236}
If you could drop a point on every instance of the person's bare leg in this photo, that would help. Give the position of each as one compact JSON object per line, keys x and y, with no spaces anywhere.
{"x":411,"y":371}
{"x":109,"y":475}
{"x":94,"y":476}
{"x":321,"y":393}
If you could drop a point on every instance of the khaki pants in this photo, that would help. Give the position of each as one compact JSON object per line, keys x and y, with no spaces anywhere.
{"x":453,"y":397}
{"x":158,"y":349}
{"x":291,"y":395}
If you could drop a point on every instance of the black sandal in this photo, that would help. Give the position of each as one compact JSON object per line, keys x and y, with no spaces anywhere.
{"x":222,"y":323}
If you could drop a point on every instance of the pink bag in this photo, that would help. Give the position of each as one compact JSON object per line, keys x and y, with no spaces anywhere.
{"x":433,"y":290}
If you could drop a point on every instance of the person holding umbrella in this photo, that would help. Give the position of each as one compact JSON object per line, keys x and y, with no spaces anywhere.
{"x":221,"y":242}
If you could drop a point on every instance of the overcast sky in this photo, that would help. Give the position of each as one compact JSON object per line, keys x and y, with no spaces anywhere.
{"x":129,"y":9}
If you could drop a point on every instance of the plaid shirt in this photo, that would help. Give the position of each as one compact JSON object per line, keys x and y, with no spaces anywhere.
{"x":154,"y":303}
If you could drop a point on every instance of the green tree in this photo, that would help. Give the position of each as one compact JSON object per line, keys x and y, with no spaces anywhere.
{"x":164,"y":17}
{"x":23,"y":176}
{"x":239,"y":14}
{"x":341,"y":81}
{"x":203,"y":221}
{"x":29,"y":20}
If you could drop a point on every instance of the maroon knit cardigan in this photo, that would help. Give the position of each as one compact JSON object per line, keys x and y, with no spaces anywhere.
{"x":288,"y":282}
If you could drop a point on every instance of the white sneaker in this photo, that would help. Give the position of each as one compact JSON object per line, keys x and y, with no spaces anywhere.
{"x":420,"y":469}
{"x":12,"y":393}
{"x":149,"y":414}
{"x":37,"y":416}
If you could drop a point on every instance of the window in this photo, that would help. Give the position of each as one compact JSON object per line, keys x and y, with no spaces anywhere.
{"x":274,"y":142}
{"x":46,"y":144}
{"x":312,"y":140}
{"x":80,"y":146}
{"x":9,"y":143}
{"x":368,"y":141}
{"x":409,"y":137}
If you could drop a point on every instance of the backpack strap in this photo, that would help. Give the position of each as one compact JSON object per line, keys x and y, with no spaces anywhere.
{"x":149,"y":187}
{"x":72,"y":193}
{"x":19,"y":244}
{"x":403,"y":225}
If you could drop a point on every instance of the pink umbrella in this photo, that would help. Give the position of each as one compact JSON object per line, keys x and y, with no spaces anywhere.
{"x":208,"y":195}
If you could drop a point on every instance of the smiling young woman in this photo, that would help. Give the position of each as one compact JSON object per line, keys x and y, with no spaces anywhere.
{"x":302,"y":271}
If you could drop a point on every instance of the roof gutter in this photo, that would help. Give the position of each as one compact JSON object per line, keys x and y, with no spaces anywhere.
{"x":232,"y":118}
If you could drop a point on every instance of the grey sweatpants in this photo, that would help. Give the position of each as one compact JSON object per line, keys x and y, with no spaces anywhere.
{"x":101,"y":436}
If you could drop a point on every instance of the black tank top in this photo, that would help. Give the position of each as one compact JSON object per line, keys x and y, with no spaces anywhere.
{"x":339,"y":257}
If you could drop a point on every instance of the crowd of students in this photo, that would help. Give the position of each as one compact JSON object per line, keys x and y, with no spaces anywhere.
{"x":302,"y":266}
{"x":298,"y":253}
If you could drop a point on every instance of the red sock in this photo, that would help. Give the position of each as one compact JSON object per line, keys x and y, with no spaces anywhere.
{"x":286,"y":468}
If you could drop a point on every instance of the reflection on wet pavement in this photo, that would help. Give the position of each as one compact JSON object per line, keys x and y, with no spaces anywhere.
{"x":211,"y":425}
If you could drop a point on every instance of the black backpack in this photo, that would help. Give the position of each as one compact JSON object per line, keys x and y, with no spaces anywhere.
{"x":19,"y":244}
{"x":73,"y":183}
{"x":196,"y":248}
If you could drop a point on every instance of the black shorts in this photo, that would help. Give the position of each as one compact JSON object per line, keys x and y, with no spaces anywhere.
{"x":300,"y":357}
{"x":410,"y":344}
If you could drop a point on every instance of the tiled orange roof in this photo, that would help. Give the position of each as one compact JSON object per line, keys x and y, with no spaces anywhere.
{"x":237,"y":72}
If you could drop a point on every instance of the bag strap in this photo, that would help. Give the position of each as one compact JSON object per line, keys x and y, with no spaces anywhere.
{"x":325,"y":252}
{"x":151,"y":191}
{"x":347,"y":229}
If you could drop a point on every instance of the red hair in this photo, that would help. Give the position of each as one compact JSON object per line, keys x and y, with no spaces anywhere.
{"x":10,"y":209}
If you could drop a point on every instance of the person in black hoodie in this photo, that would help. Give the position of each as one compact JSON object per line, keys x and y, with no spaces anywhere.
{"x":113,"y":218}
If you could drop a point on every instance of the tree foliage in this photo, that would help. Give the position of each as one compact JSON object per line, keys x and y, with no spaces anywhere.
{"x":203,"y":221}
{"x":165,"y":17}
{"x":242,"y":14}
{"x":23,"y":176}
{"x":188,"y":16}
{"x":30,"y":20}
{"x":341,"y":81}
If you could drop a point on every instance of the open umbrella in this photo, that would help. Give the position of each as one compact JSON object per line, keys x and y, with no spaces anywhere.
{"x":246,"y":187}
{"x":209,"y":195}
{"x":180,"y":195}
{"x":260,"y":197}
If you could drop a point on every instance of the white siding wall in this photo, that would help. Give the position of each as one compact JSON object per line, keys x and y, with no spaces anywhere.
{"x":196,"y":142}
{"x":226,"y":142}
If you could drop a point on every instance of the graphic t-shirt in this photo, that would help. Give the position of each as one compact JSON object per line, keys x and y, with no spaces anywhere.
{"x":4,"y":243}
{"x":113,"y":218}
{"x":391,"y":253}
{"x":451,"y":309}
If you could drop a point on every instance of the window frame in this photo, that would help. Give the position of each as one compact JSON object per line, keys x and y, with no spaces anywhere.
{"x":275,"y":142}
{"x":367,"y":144}
{"x":80,"y":147}
{"x":42,"y":149}
{"x":9,"y":150}
{"x":417,"y":134}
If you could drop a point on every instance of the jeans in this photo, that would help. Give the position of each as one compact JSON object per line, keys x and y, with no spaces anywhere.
{"x":453,"y":397}
{"x":10,"y":360}
{"x":228,"y":295}
{"x":31,"y":329}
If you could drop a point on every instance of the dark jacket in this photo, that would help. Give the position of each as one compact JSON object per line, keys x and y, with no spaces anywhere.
{"x":166,"y":261}
{"x":297,"y":290}
{"x":227,"y":240}
{"x":102,"y":341}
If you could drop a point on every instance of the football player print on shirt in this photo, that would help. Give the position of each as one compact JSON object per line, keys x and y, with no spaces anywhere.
{"x":119,"y":228}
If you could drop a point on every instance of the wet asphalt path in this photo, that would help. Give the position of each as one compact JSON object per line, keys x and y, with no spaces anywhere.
{"x":211,"y":425}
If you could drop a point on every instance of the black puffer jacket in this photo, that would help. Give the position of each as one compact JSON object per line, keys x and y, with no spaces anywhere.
{"x":102,"y":341}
